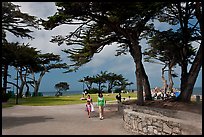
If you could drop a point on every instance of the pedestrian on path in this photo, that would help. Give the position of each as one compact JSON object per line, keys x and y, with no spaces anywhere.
{"x":88,"y":108}
{"x":89,"y":98}
{"x":101,"y":103}
{"x":118,"y":97}
{"x":91,"y":103}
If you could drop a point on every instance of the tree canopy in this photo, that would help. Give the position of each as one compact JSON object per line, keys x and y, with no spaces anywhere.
{"x":100,"y":24}
{"x":103,"y":23}
{"x":16,"y":22}
{"x":111,"y":79}
{"x":62,"y":86}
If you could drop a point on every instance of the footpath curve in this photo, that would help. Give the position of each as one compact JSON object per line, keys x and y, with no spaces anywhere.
{"x":61,"y":120}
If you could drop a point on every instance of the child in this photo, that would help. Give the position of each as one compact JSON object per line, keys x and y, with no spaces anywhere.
{"x":90,"y":99}
{"x":88,"y":108}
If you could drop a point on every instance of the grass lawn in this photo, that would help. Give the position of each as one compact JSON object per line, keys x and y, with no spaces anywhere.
{"x":61,"y":100}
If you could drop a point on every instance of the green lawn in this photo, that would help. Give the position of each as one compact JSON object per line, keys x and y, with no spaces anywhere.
{"x":61,"y":100}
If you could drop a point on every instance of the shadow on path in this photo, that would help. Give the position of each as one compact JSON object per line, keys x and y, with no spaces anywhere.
{"x":9,"y":122}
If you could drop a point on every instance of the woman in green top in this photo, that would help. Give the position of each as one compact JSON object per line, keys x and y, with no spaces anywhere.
{"x":101,"y":104}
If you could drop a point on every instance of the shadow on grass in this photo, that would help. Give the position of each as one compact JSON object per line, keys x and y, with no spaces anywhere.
{"x":9,"y":122}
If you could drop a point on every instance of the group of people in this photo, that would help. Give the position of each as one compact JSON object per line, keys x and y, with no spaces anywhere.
{"x":158,"y":93}
{"x":100,"y":102}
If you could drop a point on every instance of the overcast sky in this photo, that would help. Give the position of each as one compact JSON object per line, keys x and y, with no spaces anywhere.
{"x":103,"y":61}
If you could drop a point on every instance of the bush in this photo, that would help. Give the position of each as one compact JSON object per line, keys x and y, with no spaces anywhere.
{"x":93,"y":91}
{"x":39,"y":94}
{"x":27,"y":94}
{"x":5,"y":96}
{"x":117,"y":90}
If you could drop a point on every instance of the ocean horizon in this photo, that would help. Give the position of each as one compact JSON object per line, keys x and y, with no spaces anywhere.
{"x":196,"y":91}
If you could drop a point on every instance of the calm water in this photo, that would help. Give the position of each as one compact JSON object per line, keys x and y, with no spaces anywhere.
{"x":66,"y":93}
{"x":196,"y":91}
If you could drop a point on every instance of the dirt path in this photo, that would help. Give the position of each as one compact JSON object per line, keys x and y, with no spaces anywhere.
{"x":60,"y":120}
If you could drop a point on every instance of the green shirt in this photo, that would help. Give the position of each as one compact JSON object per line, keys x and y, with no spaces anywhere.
{"x":101,"y":101}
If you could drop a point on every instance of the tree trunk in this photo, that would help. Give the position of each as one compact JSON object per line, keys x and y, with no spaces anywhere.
{"x":27,"y":94}
{"x":147,"y":88}
{"x":36,"y":89}
{"x":21,"y":89}
{"x":193,"y":74}
{"x":140,"y":97}
{"x":89,"y":86}
{"x":164,"y":81}
{"x":110,"y":87}
{"x":135,"y":51}
{"x":23,"y":81}
{"x":5,"y":79}
{"x":37,"y":83}
{"x":171,"y":83}
{"x":188,"y":79}
{"x":20,"y":93}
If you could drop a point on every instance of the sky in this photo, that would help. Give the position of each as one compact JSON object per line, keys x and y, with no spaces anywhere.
{"x":103,"y":61}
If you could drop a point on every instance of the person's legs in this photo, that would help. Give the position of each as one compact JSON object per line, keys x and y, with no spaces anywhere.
{"x":89,"y":113}
{"x":100,"y":111}
{"x":89,"y":110}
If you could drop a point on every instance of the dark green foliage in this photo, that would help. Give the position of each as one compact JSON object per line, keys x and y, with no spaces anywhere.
{"x":16,"y":54}
{"x":16,"y":22}
{"x":62,"y":86}
{"x":111,"y":79}
{"x":93,"y":91}
{"x":5,"y":96}
{"x":167,"y":46}
{"x":99,"y":25}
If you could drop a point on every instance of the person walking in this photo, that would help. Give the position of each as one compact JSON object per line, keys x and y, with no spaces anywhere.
{"x":88,"y":108}
{"x":118,"y":97}
{"x":89,"y":98}
{"x":91,"y":101}
{"x":101,"y":104}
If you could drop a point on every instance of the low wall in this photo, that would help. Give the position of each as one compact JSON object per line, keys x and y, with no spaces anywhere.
{"x":144,"y":120}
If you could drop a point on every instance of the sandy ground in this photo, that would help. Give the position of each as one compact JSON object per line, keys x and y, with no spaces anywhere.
{"x":60,"y":120}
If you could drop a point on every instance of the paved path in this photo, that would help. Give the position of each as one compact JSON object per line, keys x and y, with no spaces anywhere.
{"x":60,"y":120}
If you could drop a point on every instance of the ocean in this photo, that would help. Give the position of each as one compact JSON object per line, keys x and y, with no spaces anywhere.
{"x":66,"y":93}
{"x":196,"y":91}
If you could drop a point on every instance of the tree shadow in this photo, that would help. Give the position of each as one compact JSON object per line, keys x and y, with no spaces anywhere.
{"x":9,"y":122}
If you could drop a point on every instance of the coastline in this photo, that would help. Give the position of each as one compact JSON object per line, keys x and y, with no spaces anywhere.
{"x":197,"y":91}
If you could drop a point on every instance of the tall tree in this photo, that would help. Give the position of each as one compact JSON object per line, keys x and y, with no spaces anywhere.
{"x":166,"y":48}
{"x":17,"y":23}
{"x":20,"y":56}
{"x":101,"y":24}
{"x":61,"y":86}
{"x":112,"y":80}
{"x":88,"y":81}
{"x":189,"y":17}
{"x":45,"y":63}
{"x":25,"y":60}
{"x":7,"y":58}
{"x":99,"y":79}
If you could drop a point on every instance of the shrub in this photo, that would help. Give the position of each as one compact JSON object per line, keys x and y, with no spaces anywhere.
{"x":117,"y":90}
{"x":5,"y":96}
{"x":93,"y":91}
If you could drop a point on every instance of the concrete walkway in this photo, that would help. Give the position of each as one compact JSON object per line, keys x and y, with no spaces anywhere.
{"x":61,"y":120}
